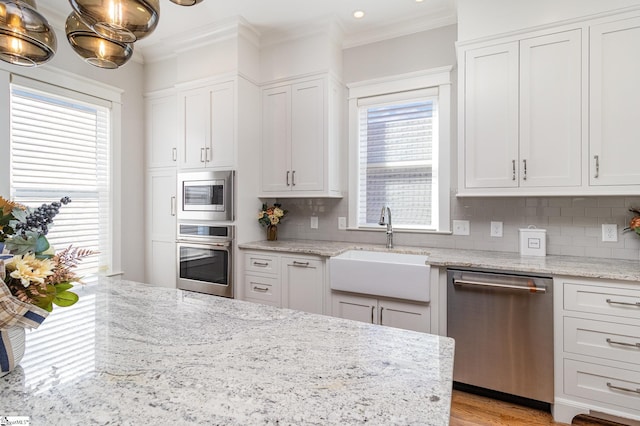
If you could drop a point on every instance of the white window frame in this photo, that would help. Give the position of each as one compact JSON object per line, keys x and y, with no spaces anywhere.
{"x":52,"y":76}
{"x":439,"y":78}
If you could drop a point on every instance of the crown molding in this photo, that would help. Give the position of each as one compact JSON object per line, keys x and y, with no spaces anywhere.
{"x":155,"y":50}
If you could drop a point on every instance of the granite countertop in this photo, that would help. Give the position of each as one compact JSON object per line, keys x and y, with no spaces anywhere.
{"x":626,"y":270}
{"x":132,"y":354}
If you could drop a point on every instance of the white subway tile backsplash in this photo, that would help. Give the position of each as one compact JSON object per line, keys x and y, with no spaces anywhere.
{"x":573,"y":224}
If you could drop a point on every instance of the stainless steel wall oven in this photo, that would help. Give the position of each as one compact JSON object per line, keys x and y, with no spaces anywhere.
{"x":205,"y":258}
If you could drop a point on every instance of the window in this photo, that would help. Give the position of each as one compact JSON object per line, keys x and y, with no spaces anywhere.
{"x":60,"y":147}
{"x":399,"y":152}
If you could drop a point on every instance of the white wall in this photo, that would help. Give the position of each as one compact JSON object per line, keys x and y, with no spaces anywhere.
{"x":481,"y":18}
{"x":128,"y":78}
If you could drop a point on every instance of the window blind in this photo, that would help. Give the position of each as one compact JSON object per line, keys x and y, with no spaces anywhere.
{"x":396,"y":160}
{"x":60,"y":147}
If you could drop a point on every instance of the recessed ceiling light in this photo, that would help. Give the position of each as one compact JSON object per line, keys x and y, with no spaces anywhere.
{"x":358,"y":14}
{"x":419,"y":1}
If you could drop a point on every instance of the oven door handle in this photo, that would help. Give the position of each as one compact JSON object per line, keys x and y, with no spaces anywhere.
{"x":204,"y":243}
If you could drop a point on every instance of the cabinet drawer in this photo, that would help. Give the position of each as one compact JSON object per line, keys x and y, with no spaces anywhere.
{"x":604,"y":384}
{"x":262,"y":263}
{"x":618,"y":302}
{"x":620,"y":342}
{"x":264,"y":289}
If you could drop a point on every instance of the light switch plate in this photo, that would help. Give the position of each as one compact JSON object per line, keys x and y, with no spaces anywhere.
{"x":314,"y":222}
{"x":496,"y":229}
{"x":460,"y":227}
{"x":610,"y":232}
{"x":342,"y":223}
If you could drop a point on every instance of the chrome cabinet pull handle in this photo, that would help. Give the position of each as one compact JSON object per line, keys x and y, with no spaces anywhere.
{"x":610,"y":386}
{"x":613,"y":342}
{"x":597,"y":158}
{"x":380,"y":319}
{"x":302,"y":264}
{"x":173,"y":205}
{"x":207,"y":155}
{"x":202,"y":155}
{"x":261,"y":289}
{"x":373,"y":308}
{"x":525,"y":169}
{"x":261,"y":264}
{"x":613,"y":302}
{"x":513,"y":169}
{"x":174,"y":153}
{"x":293,"y":178}
{"x":288,"y":177}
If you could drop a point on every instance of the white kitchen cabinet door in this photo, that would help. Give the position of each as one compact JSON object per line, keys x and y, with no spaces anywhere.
{"x":307,"y":136}
{"x":208,"y":127}
{"x":162,"y":131}
{"x":220,"y":152}
{"x":551,"y":70}
{"x":303,"y":284}
{"x":408,"y":316}
{"x":491,"y":117}
{"x":615,"y":102}
{"x":161,"y":204}
{"x":356,"y":308}
{"x":162,"y":264}
{"x":195,"y":128}
{"x":276,"y":139}
{"x":161,"y":228}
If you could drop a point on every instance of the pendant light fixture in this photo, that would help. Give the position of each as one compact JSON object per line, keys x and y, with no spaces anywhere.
{"x":119,"y":20}
{"x":96,"y":50}
{"x":186,"y":2}
{"x":26,"y":38}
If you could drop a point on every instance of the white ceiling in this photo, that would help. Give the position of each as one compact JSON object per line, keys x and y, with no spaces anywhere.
{"x":383,"y":18}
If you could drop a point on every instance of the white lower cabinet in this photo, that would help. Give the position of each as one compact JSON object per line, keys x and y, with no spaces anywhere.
{"x":392,"y":313}
{"x":597,"y":348}
{"x":286,"y":281}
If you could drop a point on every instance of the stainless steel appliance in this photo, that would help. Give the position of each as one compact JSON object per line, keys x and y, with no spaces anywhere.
{"x":205,"y":258}
{"x":503,"y":328}
{"x":206,"y":195}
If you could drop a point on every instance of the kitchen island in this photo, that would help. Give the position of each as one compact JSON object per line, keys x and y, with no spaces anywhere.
{"x":133,"y":354}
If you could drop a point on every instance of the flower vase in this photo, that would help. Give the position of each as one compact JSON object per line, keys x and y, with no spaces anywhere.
{"x":12,"y":344}
{"x":272,"y":232}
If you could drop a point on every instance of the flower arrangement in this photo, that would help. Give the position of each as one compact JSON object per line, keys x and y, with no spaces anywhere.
{"x":35,"y":274}
{"x":634,"y":223}
{"x":272,"y":215}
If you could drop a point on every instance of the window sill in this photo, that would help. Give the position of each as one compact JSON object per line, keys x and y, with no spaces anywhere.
{"x":399,"y":230}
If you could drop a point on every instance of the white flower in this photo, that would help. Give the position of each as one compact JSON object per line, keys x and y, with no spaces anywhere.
{"x":29,"y":270}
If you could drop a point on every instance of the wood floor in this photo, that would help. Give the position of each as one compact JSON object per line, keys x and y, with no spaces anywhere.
{"x":473,"y":410}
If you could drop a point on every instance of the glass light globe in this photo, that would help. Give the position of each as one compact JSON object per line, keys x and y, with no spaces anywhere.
{"x":119,"y":20}
{"x":26,"y":38}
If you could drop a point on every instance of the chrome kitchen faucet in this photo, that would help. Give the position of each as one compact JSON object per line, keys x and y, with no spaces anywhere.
{"x":388,"y":223}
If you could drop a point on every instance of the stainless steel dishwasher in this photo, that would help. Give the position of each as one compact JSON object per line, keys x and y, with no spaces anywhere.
{"x":503,"y":328}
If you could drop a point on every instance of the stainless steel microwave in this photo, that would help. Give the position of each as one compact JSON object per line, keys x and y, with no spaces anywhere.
{"x":206,"y":195}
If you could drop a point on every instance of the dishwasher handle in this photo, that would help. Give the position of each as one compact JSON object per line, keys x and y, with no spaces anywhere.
{"x":496,"y":285}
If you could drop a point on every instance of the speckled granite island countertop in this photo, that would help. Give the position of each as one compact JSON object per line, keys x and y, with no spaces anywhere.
{"x":627,"y":270}
{"x":132,"y":354}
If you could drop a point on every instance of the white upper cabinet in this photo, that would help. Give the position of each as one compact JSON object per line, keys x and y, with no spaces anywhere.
{"x":522,"y":122}
{"x":301,"y":128}
{"x":614,"y":120}
{"x":491,"y":117}
{"x":551,"y":110}
{"x":207,"y":137}
{"x":162,"y":130}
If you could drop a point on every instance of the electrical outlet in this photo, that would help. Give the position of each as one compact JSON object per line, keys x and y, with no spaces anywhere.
{"x":496,"y":229}
{"x":610,"y":232}
{"x":342,"y":223}
{"x":460,"y":227}
{"x":314,"y":222}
